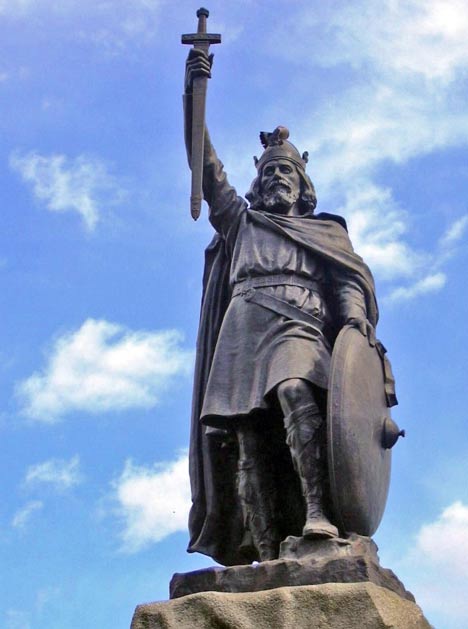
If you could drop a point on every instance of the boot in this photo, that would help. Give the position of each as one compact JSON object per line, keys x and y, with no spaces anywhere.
{"x":302,"y":437}
{"x":257,"y":500}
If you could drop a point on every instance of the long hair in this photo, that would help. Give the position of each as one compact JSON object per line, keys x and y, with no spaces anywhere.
{"x":307,"y":199}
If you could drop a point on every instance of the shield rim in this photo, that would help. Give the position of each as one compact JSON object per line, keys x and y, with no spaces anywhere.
{"x":344,"y":522}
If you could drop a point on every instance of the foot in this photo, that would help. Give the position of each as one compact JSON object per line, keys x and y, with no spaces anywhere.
{"x":319,"y":527}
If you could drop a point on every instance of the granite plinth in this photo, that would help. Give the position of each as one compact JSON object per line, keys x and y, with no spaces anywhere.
{"x":327,"y":606}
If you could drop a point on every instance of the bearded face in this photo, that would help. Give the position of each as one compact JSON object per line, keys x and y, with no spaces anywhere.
{"x":280,"y":185}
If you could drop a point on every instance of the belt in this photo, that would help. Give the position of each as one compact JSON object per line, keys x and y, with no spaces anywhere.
{"x":246,"y":288}
{"x":280,"y":279}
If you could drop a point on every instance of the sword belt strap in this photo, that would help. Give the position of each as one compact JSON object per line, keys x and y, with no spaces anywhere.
{"x":280,"y":279}
{"x":247,"y":287}
{"x":283,"y":308}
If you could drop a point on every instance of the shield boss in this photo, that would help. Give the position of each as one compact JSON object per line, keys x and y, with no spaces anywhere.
{"x":358,"y":465}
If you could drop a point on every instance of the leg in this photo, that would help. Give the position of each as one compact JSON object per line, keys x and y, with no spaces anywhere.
{"x":256,"y":492}
{"x":302,"y":419}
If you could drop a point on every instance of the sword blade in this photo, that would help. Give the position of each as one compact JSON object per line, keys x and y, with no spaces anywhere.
{"x":198,"y":142}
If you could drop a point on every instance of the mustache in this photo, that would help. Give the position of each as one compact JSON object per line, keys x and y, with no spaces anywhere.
{"x":279,"y":183}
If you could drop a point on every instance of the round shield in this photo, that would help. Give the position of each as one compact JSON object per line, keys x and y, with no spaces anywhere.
{"x":358,"y":464}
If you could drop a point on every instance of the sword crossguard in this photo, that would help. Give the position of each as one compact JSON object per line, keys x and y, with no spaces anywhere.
{"x":202,"y":39}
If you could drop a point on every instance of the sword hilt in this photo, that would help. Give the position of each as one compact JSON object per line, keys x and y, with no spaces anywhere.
{"x":201,"y":37}
{"x":202,"y":14}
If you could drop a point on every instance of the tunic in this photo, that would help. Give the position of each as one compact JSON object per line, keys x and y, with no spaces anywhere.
{"x":257,"y":348}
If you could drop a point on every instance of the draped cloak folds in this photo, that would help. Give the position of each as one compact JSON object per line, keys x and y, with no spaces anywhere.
{"x":215,"y":522}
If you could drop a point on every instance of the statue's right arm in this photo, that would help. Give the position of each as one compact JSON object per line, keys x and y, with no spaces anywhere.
{"x":224,"y":203}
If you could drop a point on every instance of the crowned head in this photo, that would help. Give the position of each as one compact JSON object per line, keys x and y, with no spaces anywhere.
{"x":282,"y":185}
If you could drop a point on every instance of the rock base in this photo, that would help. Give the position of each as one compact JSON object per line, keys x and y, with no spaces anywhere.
{"x":301,"y":562}
{"x":328,"y":606}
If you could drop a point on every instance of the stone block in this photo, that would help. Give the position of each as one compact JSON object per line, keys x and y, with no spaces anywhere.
{"x":301,"y":562}
{"x":328,"y":606}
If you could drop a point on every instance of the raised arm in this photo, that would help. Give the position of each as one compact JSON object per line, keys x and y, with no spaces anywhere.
{"x":224,"y":203}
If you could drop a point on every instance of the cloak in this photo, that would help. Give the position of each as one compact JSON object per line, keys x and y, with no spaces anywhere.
{"x":215,"y":521}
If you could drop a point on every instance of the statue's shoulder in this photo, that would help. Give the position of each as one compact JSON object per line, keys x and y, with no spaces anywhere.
{"x":325,"y":216}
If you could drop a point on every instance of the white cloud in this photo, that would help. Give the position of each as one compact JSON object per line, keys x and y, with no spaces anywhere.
{"x":105,"y":7}
{"x":23,"y":516}
{"x":104,"y":367}
{"x":429,"y":284}
{"x":82,"y":184}
{"x":15,"y":7}
{"x":376,"y":226}
{"x":449,"y":243}
{"x":395,"y":36}
{"x":445,"y":542}
{"x":135,"y":23}
{"x":438,"y":568}
{"x":351,"y":140}
{"x":381,"y":120}
{"x":22,"y":619}
{"x":434,"y":280}
{"x":153,"y":502}
{"x":60,"y":473}
{"x":407,"y":60}
{"x":112,"y":25}
{"x":455,"y":232}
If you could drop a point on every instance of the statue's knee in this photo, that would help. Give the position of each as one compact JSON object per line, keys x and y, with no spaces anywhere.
{"x":293,"y":393}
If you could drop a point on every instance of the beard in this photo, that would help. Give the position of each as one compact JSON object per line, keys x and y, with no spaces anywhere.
{"x":279,"y":199}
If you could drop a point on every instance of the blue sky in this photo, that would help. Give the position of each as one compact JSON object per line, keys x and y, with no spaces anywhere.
{"x":100,"y":273}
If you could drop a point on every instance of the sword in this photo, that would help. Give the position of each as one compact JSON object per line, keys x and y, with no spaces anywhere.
{"x":201,"y":40}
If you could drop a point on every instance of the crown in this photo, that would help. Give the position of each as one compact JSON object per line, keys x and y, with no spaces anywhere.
{"x":277,"y":146}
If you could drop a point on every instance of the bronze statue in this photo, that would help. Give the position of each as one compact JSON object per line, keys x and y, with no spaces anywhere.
{"x":280,"y":284}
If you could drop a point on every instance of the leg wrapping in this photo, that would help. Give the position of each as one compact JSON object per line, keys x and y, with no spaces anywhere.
{"x":302,"y":437}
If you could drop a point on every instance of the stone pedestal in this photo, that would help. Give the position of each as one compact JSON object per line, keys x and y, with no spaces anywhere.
{"x":328,"y":606}
{"x":301,"y":562}
{"x":325,"y":584}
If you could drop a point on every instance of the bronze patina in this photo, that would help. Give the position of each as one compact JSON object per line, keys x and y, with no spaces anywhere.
{"x":287,"y":330}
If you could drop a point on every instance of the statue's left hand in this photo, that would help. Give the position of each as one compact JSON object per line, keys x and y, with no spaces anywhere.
{"x":365,"y":328}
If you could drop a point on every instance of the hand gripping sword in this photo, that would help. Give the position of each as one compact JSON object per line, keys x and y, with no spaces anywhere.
{"x":201,"y":40}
